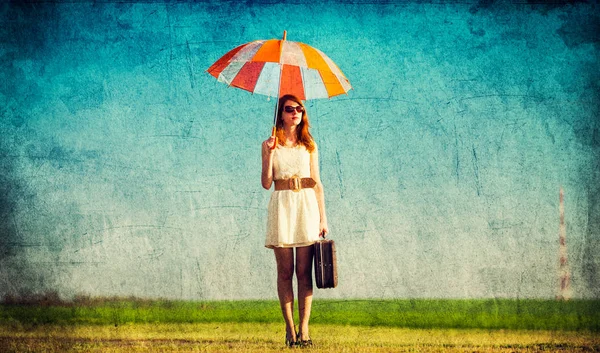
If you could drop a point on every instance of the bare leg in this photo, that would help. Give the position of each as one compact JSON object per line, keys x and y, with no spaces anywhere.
{"x":285,"y":291}
{"x":304,"y":261}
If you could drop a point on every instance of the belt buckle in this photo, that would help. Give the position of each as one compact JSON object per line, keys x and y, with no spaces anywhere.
{"x":295,"y":184}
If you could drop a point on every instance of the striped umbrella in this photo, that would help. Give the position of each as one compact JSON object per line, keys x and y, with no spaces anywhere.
{"x":276,"y":67}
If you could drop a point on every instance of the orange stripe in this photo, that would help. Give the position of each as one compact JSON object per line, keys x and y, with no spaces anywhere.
{"x":313,"y":58}
{"x":268,"y":52}
{"x":291,"y":82}
{"x":315,"y":61}
{"x":248,"y":76}
{"x":220,"y":65}
{"x":332,"y":85}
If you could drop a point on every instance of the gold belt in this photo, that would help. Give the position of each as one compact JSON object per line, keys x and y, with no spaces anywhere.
{"x":294,"y":184}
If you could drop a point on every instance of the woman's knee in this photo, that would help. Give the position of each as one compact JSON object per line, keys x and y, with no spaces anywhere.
{"x":304,"y":277}
{"x":285,"y":274}
{"x":304,"y":260}
{"x":304,"y":272}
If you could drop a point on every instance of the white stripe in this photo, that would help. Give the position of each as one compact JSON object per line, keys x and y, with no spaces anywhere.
{"x":292,"y":54}
{"x":313,"y":84}
{"x":268,"y":81}
{"x":247,"y":52}
{"x":345,"y":83}
{"x":227,"y":75}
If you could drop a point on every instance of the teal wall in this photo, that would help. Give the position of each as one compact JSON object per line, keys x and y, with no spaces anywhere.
{"x":125,"y":169}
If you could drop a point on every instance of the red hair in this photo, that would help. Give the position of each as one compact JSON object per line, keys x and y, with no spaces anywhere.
{"x":303,"y":136}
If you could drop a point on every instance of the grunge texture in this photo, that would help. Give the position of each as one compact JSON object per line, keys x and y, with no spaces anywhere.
{"x":125,"y":169}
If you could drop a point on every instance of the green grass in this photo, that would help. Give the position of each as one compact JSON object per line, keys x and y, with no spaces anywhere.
{"x":574,"y":315}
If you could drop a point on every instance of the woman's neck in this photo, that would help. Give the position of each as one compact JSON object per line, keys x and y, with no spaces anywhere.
{"x":290,"y":134}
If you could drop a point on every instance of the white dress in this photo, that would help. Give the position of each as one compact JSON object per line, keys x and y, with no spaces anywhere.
{"x":293,"y":219}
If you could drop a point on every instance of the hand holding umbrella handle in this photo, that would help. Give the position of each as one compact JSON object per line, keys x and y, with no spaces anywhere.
{"x":273,"y":135}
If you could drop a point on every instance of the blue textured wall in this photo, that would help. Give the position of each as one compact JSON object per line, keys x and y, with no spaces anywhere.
{"x":125,"y":169}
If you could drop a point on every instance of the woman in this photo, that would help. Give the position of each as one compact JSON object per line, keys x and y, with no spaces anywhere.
{"x":296,"y":210}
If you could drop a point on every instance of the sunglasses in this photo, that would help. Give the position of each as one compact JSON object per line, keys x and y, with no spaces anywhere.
{"x":291,"y":109}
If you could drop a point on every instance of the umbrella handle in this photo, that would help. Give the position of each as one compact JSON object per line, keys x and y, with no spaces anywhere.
{"x":273,"y":135}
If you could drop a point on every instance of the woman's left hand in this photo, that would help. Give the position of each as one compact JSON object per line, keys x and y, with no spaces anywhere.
{"x":323,"y":229}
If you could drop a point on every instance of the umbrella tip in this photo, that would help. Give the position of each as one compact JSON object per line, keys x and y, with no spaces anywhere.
{"x":284,"y":34}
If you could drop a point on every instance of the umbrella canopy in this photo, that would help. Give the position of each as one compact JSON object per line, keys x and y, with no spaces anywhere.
{"x":275,"y":67}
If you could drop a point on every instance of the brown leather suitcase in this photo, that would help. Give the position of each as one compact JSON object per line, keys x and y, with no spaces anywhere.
{"x":325,"y":264}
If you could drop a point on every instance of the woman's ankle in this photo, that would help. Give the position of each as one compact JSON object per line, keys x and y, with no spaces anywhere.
{"x":290,"y":332}
{"x":303,"y":334}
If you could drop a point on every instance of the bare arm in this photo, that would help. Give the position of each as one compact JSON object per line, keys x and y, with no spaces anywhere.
{"x":315,"y":174}
{"x":267,"y":163}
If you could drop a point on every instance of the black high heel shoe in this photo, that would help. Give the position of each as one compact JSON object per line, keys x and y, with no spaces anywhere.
{"x":289,"y":343}
{"x":303,"y":343}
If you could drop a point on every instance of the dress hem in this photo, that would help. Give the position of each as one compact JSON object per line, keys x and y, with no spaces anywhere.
{"x":299,"y":245}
